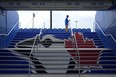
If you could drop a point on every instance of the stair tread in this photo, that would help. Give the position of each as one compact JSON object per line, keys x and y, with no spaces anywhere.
{"x":105,"y":57}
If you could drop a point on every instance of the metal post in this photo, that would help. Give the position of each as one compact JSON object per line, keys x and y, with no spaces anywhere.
{"x":33,"y":20}
{"x":50,"y":19}
{"x":76,"y":24}
{"x":19,"y":25}
{"x":77,"y":54}
{"x":6,"y":28}
{"x":37,"y":42}
{"x":44,"y":27}
{"x":94,"y":26}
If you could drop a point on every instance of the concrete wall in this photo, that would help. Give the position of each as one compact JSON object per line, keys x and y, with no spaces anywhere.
{"x":12,"y":18}
{"x":7,"y":20}
{"x":107,"y":21}
{"x":2,"y":21}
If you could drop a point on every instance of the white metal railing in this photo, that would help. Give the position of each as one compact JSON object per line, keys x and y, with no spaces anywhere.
{"x":75,"y":42}
{"x":10,"y":29}
{"x":76,"y":46}
{"x":71,"y":30}
{"x":32,"y":49}
{"x":51,"y":50}
{"x":111,"y":23}
{"x":36,"y":39}
{"x":104,"y":33}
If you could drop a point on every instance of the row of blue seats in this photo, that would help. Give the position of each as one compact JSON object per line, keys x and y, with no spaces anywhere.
{"x":54,"y":30}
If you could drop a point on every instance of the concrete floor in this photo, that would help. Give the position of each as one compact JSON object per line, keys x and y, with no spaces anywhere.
{"x":57,"y":76}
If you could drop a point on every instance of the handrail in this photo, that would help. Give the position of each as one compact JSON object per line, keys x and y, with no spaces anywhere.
{"x":104,"y":33}
{"x":77,"y":52}
{"x":111,"y":24}
{"x":32,"y":51}
{"x":38,"y":35}
{"x":35,"y":39}
{"x":10,"y":29}
{"x":75,"y":43}
{"x":71,"y":30}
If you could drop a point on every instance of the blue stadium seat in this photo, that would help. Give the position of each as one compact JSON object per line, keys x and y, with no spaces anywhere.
{"x":59,"y":30}
{"x":35,"y":29}
{"x":54,"y":30}
{"x":49,"y":30}
{"x":25,"y":30}
{"x":63,"y":30}
{"x":31,"y":30}
{"x":88,"y":30}
{"x":69,"y":30}
{"x":45,"y":29}
{"x":79,"y":30}
{"x":74,"y":30}
{"x":84,"y":30}
{"x":21,"y":29}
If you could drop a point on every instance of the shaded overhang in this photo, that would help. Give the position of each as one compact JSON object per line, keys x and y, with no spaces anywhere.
{"x":56,"y":4}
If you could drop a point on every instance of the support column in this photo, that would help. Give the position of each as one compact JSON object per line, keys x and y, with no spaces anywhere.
{"x":50,"y":19}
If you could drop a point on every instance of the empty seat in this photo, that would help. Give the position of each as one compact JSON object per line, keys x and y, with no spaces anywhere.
{"x":21,"y":30}
{"x":59,"y":30}
{"x":54,"y":30}
{"x":74,"y":30}
{"x":30,"y":29}
{"x":79,"y":30}
{"x":45,"y":30}
{"x":35,"y":29}
{"x":84,"y":30}
{"x":69,"y":30}
{"x":88,"y":30}
{"x":25,"y":30}
{"x":49,"y":31}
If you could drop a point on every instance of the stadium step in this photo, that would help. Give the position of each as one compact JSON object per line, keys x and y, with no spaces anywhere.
{"x":57,"y":54}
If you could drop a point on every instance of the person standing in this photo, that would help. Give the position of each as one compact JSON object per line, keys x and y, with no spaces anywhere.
{"x":66,"y":23}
